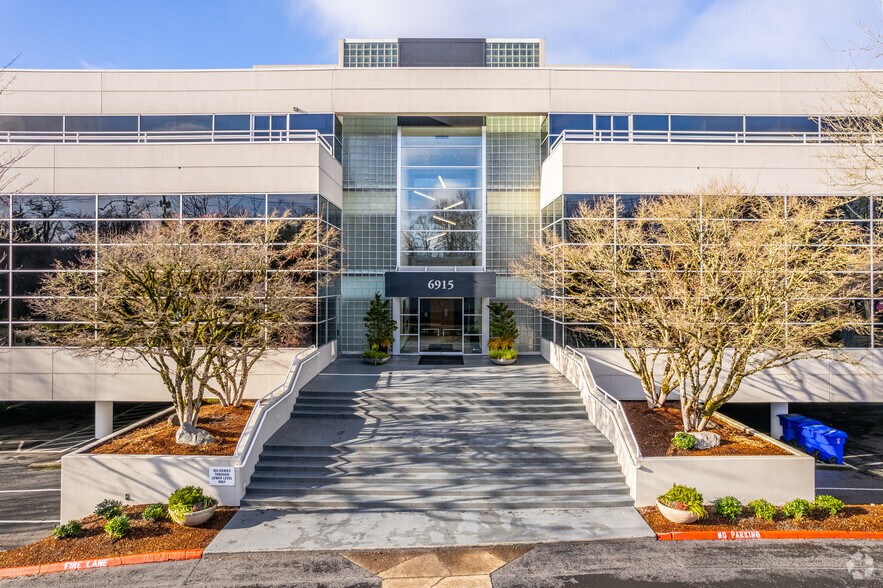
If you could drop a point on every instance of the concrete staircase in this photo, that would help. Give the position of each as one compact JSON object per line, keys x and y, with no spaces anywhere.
{"x":405,"y":437}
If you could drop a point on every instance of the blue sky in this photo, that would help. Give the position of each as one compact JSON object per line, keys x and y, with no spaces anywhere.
{"x":188,"y":34}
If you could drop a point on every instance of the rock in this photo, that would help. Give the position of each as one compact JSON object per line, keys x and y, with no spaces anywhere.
{"x":173,"y":419}
{"x":190,"y":435}
{"x":706,"y":440}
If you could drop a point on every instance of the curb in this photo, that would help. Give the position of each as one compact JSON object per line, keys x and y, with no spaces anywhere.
{"x":105,"y":562}
{"x":738,"y":535}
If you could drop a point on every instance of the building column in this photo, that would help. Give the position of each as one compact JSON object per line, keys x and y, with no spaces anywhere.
{"x":777,"y":408}
{"x":103,"y":418}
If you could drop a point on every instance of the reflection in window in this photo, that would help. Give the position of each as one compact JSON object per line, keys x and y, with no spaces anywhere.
{"x":224,"y":205}
{"x":129,"y":206}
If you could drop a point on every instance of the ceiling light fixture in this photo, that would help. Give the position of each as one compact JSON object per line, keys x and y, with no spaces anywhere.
{"x":442,"y":182}
{"x":444,"y":220}
{"x":424,"y":195}
{"x":437,"y":236}
{"x":453,"y":205}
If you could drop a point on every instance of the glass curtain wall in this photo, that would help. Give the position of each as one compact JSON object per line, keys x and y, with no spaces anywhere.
{"x":863,"y":211}
{"x":39,"y":230}
{"x":441,"y":196}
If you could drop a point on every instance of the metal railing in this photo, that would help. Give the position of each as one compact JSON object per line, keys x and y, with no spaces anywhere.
{"x":604,"y":399}
{"x":209,"y":136}
{"x":267,"y":402}
{"x":717,"y":137}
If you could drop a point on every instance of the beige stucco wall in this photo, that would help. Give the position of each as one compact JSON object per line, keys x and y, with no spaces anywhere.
{"x":164,"y":168}
{"x":424,"y":90}
{"x":653,"y":168}
{"x":47,"y":373}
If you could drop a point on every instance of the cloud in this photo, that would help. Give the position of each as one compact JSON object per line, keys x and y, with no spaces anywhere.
{"x":642,"y":33}
{"x":104,"y":65}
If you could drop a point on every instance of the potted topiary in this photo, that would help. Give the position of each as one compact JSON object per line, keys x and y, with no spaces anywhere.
{"x":681,"y":504}
{"x":503,"y":332}
{"x":379,"y":330}
{"x":189,"y":507}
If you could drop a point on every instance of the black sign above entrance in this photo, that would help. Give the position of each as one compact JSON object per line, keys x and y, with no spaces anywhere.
{"x":441,"y":284}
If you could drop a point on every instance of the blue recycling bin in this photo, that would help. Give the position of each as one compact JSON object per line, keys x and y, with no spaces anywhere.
{"x":827,"y":442}
{"x":791,"y":425}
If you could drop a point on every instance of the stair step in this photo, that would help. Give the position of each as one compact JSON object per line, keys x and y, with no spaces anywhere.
{"x":448,"y":461}
{"x":408,"y":478}
{"x":475,"y":490}
{"x":474,"y":416}
{"x":427,"y":467}
{"x":334,"y":501}
{"x":390,"y":394}
{"x":400,"y":446}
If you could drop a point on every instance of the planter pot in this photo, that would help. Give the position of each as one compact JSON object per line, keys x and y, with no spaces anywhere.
{"x":682,"y":517}
{"x":376,"y":362}
{"x":503,"y":361}
{"x":194,"y":519}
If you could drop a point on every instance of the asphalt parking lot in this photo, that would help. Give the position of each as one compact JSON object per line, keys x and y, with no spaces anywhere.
{"x":35,"y":433}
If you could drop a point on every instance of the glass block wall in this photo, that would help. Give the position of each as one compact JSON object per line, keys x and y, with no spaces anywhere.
{"x":513,"y":201}
{"x":512,"y":54}
{"x":369,"y":218}
{"x":371,"y":54}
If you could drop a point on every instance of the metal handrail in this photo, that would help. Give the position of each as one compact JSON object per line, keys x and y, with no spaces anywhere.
{"x":593,"y":388}
{"x":263,"y":404}
{"x":210,"y":136}
{"x":735,"y":137}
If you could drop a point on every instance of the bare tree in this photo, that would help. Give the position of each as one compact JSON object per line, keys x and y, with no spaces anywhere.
{"x":720,"y":283}
{"x":192,"y":300}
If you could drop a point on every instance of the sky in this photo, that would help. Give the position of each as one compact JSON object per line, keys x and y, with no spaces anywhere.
{"x":218,"y":34}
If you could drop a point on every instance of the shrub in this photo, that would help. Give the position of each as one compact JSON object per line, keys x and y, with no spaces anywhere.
{"x":502,"y":328}
{"x":154,"y":512}
{"x":684,"y":498}
{"x":117,"y":527}
{"x":797,"y":509}
{"x":108,"y":509}
{"x":71,"y":529}
{"x":763,"y":509}
{"x":683,"y":440}
{"x":728,"y":506}
{"x":827,"y":504}
{"x":502,"y":354}
{"x":375,"y":355}
{"x":186,"y":500}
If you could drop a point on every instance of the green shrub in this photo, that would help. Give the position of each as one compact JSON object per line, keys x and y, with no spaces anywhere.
{"x":684,"y":498}
{"x":154,"y":512}
{"x":374,"y":355}
{"x":763,"y":509}
{"x":728,"y":506}
{"x":502,"y":354}
{"x":827,"y":504}
{"x":797,"y":509}
{"x":108,"y":509}
{"x":117,"y":527}
{"x":71,"y":529}
{"x":683,"y":440}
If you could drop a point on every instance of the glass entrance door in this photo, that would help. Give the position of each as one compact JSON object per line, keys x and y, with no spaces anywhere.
{"x":441,"y":325}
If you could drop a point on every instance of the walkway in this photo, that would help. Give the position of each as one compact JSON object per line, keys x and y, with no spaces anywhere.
{"x":404,"y":455}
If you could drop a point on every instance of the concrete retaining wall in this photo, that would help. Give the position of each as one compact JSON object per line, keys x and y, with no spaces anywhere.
{"x":87,"y":479}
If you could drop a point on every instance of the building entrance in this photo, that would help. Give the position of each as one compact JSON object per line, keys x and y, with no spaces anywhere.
{"x":441,"y":325}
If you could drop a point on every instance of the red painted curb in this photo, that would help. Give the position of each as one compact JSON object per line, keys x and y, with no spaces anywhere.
{"x":742,"y":535}
{"x":102,"y":562}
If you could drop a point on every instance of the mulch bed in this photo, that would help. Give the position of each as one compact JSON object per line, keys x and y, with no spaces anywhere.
{"x":851,"y":518}
{"x":654,"y":429}
{"x":143,"y":537}
{"x":158,"y":437}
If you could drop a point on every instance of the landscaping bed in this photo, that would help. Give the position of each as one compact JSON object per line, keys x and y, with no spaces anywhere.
{"x":158,"y":438}
{"x":851,"y":518}
{"x":143,"y":537}
{"x":654,"y":429}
